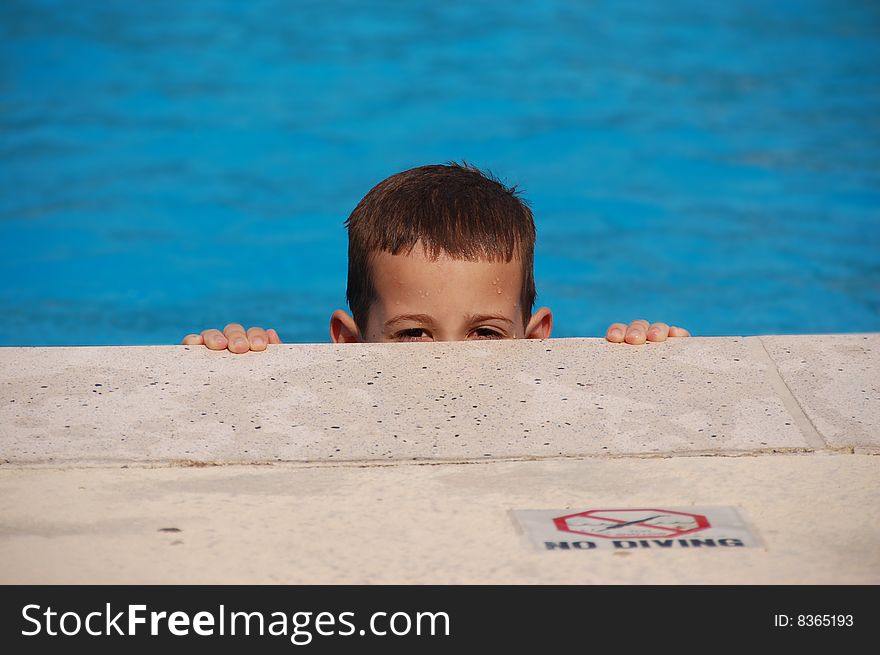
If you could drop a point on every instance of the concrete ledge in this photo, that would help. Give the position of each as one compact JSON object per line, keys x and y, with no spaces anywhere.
{"x":445,"y":401}
{"x":401,"y":463}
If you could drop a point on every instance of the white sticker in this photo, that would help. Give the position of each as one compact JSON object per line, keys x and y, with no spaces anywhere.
{"x":653,"y":528}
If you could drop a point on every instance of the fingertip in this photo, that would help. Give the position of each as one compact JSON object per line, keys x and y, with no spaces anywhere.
{"x":635,"y":338}
{"x":614,"y":335}
{"x":217,"y":343}
{"x":238,"y":346}
{"x":657,"y":335}
{"x":258,"y":339}
{"x":616,"y":332}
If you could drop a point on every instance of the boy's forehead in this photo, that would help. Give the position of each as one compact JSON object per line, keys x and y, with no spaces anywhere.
{"x":418,"y":267}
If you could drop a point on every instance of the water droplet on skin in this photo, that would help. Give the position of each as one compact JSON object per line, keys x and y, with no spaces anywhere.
{"x":499,"y":291}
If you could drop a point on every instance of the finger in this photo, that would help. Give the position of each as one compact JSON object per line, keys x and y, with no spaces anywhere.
{"x":658,"y":332}
{"x":678,"y":332}
{"x":636,"y":333}
{"x":258,"y":339}
{"x":238,"y":341}
{"x":193,"y":340}
{"x":214,"y":340}
{"x":642,"y":323}
{"x":273,"y":336}
{"x":616,"y":332}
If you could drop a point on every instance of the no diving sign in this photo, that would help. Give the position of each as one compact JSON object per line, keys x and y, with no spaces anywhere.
{"x":636,"y":528}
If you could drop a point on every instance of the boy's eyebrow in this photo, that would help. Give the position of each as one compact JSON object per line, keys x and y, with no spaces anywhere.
{"x":429,"y":320}
{"x":480,"y":318}
{"x":415,"y":318}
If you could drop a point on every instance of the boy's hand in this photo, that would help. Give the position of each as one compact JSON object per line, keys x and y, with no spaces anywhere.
{"x":234,"y":337}
{"x":638,"y":332}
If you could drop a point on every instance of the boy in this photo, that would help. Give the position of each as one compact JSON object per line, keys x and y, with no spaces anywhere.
{"x":438,"y":253}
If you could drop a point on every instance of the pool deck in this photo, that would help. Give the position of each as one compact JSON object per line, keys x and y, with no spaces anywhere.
{"x":401,"y":463}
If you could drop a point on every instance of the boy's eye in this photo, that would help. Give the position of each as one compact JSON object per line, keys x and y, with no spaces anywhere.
{"x":487,"y":333}
{"x":411,"y":334}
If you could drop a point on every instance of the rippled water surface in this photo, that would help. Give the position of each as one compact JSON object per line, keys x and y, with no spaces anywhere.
{"x":171,"y":166}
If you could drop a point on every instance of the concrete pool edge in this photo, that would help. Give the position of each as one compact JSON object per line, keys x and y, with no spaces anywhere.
{"x":439,"y":402}
{"x":110,"y":500}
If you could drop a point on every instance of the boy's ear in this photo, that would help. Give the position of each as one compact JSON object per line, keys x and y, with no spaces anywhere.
{"x":540,"y":325}
{"x":343,"y":329}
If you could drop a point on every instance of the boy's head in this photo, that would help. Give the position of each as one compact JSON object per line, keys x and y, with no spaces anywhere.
{"x":440,"y":253}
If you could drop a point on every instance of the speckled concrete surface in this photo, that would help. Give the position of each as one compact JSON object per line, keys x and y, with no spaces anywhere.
{"x":559,"y":397}
{"x":836,"y":382}
{"x":92,"y":440}
{"x":818,"y":516}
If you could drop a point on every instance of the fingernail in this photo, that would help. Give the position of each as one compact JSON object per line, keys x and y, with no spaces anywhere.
{"x":654,"y":332}
{"x":615,"y":333}
{"x":240,"y":342}
{"x":257,"y":341}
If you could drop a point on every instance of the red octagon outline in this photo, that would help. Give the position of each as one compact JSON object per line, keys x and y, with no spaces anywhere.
{"x":702,"y":523}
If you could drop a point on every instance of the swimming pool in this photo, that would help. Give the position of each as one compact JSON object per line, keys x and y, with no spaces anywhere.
{"x":168,"y":167}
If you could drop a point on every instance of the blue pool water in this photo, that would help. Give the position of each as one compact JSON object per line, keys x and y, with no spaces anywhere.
{"x":171,"y":166}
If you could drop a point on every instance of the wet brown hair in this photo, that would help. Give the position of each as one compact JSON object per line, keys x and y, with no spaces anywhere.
{"x":453,"y":209}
